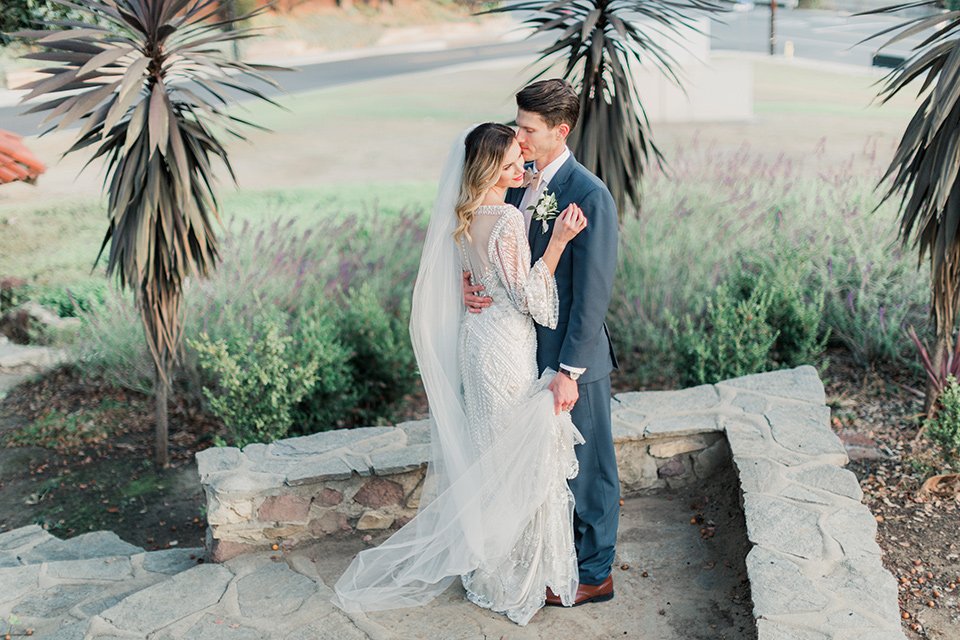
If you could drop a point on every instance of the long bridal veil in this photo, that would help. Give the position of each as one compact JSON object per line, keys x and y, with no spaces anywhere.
{"x":475,"y":504}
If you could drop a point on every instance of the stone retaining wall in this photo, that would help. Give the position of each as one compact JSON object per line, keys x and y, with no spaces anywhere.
{"x":302,"y":489}
{"x":814,"y":569}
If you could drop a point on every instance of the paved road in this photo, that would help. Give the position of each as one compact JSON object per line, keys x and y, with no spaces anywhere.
{"x":817,"y":35}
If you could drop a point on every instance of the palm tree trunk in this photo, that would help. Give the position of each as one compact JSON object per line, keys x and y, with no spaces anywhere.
{"x":161,"y":449}
{"x":940,"y":345}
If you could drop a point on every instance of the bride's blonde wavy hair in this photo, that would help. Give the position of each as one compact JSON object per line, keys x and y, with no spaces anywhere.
{"x":487,"y":145}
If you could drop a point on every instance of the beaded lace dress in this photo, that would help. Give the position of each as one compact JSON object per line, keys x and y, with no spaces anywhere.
{"x":495,"y":511}
{"x":499,"y":372}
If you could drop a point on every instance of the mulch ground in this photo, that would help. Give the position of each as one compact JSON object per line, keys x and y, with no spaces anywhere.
{"x":108,"y":482}
{"x":918,"y":533}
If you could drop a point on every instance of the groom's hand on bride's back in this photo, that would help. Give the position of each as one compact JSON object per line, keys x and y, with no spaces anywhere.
{"x":475,"y":303}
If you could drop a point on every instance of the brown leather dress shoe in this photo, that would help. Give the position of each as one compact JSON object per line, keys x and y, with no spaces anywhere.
{"x":585,"y":593}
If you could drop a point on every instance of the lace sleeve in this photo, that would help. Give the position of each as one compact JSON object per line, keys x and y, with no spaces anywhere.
{"x":531,"y":290}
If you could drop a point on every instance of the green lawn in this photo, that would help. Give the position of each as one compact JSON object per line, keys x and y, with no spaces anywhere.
{"x":56,"y":243}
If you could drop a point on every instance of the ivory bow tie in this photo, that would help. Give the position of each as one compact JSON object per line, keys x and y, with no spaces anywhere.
{"x":531,"y":179}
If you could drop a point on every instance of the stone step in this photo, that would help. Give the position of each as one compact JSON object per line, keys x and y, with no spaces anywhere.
{"x":57,"y":596}
{"x":254,"y":597}
{"x":27,"y":358}
{"x":32,"y":545}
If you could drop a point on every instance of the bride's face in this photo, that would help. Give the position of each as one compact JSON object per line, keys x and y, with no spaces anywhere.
{"x":511,"y":173}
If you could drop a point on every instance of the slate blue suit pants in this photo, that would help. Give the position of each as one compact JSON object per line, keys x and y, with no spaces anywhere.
{"x":597,"y":486}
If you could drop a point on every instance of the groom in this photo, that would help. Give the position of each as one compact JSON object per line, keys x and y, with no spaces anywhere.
{"x":579,"y":348}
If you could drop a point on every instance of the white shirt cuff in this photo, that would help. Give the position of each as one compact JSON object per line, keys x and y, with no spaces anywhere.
{"x":577,"y":370}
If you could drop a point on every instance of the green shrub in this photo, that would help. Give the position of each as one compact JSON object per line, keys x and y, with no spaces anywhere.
{"x":73,"y":300}
{"x":733,"y":338}
{"x":259,"y":379}
{"x":382,"y":360}
{"x":944,"y":427}
{"x":333,"y":395}
{"x":25,"y":14}
{"x":795,"y":310}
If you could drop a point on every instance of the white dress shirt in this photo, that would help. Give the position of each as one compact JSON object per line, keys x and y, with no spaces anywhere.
{"x":530,"y":198}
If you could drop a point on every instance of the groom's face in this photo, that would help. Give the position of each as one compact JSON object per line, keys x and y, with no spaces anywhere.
{"x":536,"y":139}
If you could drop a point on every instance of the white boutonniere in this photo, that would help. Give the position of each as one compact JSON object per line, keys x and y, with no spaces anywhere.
{"x":545,"y":209}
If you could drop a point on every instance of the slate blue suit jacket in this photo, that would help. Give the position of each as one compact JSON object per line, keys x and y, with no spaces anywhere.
{"x":584,"y":275}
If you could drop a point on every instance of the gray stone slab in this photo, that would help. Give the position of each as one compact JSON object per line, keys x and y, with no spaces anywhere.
{"x":418,"y":432}
{"x":626,"y":431}
{"x":406,"y":459}
{"x":778,"y":587}
{"x":828,"y":477}
{"x":801,"y":383}
{"x":805,"y":430}
{"x":257,"y":451}
{"x":683,"y":425}
{"x":98,"y":606}
{"x":54,"y":601}
{"x":274,"y":590}
{"x":745,"y":439}
{"x":18,"y":581}
{"x":111,"y":569}
{"x":866,"y":586}
{"x":172,"y":561}
{"x":777,"y":524}
{"x":243,"y":483}
{"x":334,"y":626}
{"x":70,"y":631}
{"x":751,"y":403}
{"x":767,"y":630}
{"x":15,"y":356}
{"x":879,"y":635}
{"x":96,"y":544}
{"x":312,"y":471}
{"x":848,"y":619}
{"x":217,"y":459}
{"x":365,"y":439}
{"x":29,"y":536}
{"x":165,"y":603}
{"x":222,"y":628}
{"x":803,"y":494}
{"x":654,"y":403}
{"x":754,"y":473}
{"x":855,"y":528}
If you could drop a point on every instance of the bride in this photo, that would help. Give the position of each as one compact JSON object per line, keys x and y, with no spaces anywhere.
{"x":496,"y":510}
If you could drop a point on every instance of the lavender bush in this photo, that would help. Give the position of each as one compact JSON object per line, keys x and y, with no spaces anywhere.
{"x":820,"y":223}
{"x":352,"y":278}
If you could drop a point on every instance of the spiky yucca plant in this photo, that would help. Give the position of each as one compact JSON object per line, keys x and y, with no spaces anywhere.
{"x":599,"y":44}
{"x":925,"y":170}
{"x":149,"y":82}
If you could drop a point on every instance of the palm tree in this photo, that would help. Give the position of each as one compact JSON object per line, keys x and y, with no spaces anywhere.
{"x":149,"y":81}
{"x":598,"y":43}
{"x":925,"y":170}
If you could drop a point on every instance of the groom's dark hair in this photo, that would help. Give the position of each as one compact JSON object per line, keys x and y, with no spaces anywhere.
{"x":554,"y":100}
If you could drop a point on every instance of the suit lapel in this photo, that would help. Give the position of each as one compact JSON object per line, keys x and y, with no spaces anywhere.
{"x":556,"y":186}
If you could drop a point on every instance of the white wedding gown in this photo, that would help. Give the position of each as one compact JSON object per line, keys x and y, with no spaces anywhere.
{"x":496,"y":510}
{"x":498,"y":365}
